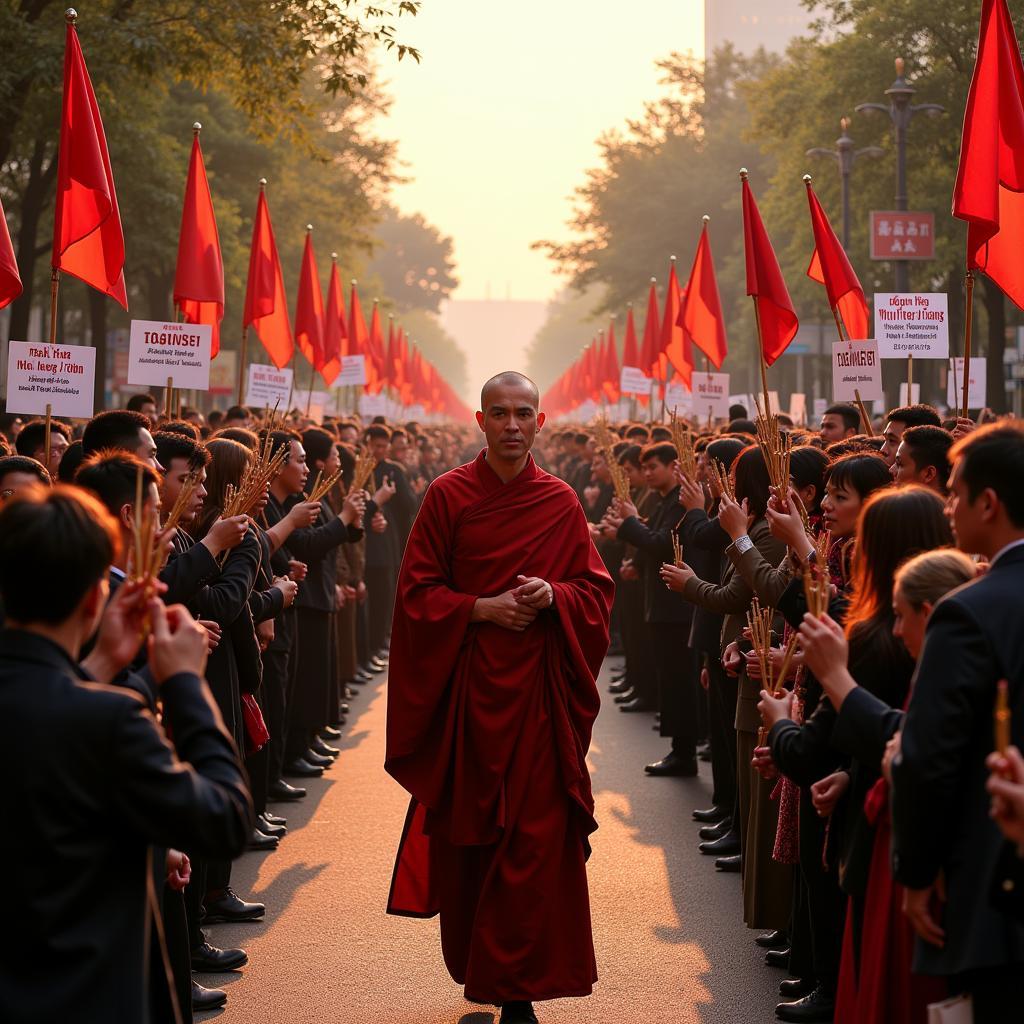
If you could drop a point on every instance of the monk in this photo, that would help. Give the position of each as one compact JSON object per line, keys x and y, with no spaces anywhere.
{"x":500,"y":628}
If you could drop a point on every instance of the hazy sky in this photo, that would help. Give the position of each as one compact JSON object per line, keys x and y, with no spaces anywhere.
{"x":498,"y":122}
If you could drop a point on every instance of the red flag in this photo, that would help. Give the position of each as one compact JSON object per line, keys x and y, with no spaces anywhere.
{"x":375,"y":351}
{"x":199,"y":276}
{"x":266,"y":307}
{"x":10,"y":279}
{"x":630,"y":351}
{"x":87,"y":239}
{"x":359,"y":339}
{"x":309,"y":307}
{"x":778,"y":319}
{"x":611,"y":365}
{"x":830,"y":266}
{"x":674,"y":342}
{"x":334,"y":326}
{"x":652,"y":332}
{"x":989,"y":191}
{"x":701,"y":317}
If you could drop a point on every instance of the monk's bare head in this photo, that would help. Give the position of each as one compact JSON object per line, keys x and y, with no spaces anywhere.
{"x":509,"y":415}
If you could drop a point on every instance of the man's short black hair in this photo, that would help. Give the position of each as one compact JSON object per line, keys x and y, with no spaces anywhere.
{"x":742,"y":426}
{"x":993,"y":457}
{"x":581,"y":438}
{"x":32,"y":436}
{"x":136,"y":402}
{"x":237,"y":412}
{"x":24,"y":464}
{"x":660,"y":434}
{"x":54,"y":546}
{"x":116,"y":428}
{"x":915,"y":416}
{"x":630,"y":455}
{"x":848,"y":412}
{"x":111,"y":475}
{"x":638,"y":431}
{"x":173,"y":445}
{"x":181,"y":427}
{"x":318,"y":444}
{"x":664,"y":452}
{"x":377,"y":432}
{"x":72,"y":458}
{"x":213,"y":417}
{"x":738,"y":412}
{"x":929,"y":446}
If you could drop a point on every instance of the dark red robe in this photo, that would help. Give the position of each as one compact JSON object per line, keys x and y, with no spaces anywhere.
{"x":489,"y":728}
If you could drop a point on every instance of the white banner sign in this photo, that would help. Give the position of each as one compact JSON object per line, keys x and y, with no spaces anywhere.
{"x":912,"y":324}
{"x":633,"y":381}
{"x":353,"y":372}
{"x":159,"y":350}
{"x":373,"y":405}
{"x":678,"y":400}
{"x":955,"y":384}
{"x":267,"y":386}
{"x":820,"y":405}
{"x":798,"y":408}
{"x":913,"y":398}
{"x":856,"y":369}
{"x":711,"y":394}
{"x":60,"y":376}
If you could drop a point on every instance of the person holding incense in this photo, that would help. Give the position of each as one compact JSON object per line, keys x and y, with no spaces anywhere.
{"x":500,"y":628}
{"x":945,"y":844}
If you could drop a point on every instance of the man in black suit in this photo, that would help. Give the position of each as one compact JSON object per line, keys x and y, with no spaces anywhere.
{"x":945,"y":844}
{"x":111,"y":787}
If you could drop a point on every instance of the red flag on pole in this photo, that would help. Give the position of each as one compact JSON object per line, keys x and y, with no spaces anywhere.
{"x":87,"y":239}
{"x":375,"y":351}
{"x":10,"y":279}
{"x":674,"y":342}
{"x":652,"y":331}
{"x":989,"y":191}
{"x":359,"y":339}
{"x":831,"y":267}
{"x":199,"y":276}
{"x":701,"y":316}
{"x":611,"y":365}
{"x":334,"y":326}
{"x":266,"y":307}
{"x":309,"y":307}
{"x":630,"y":350}
{"x":777,"y":317}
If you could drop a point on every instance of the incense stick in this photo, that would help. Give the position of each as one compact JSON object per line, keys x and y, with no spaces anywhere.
{"x":1002,"y":716}
{"x":677,"y":550}
{"x":606,"y":447}
{"x":718,"y":477}
{"x":682,"y":441}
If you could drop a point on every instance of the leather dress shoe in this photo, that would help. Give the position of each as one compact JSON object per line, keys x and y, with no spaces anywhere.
{"x":343,"y":710}
{"x":626,"y":696}
{"x":710,"y":832}
{"x":350,"y":692}
{"x":323,"y":749}
{"x":637,"y":704}
{"x":231,"y":907}
{"x":274,"y":819}
{"x":710,"y":814}
{"x":730,"y":865}
{"x":261,"y":841}
{"x":209,"y":959}
{"x":819,"y":1005}
{"x":302,"y":769}
{"x":328,"y":732}
{"x":673,"y":764}
{"x":773,"y":940}
{"x":620,"y":686}
{"x":376,"y":666}
{"x":270,"y":830}
{"x":207,"y":998}
{"x":728,"y":845}
{"x":794,"y":988}
{"x":317,"y":760}
{"x":518,"y":1013}
{"x":283,"y":791}
{"x":777,"y":958}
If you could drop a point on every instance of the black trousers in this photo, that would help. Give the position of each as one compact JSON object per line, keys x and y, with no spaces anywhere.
{"x":314,"y":660}
{"x":276,"y":672}
{"x":675,"y":667}
{"x":179,"y":949}
{"x":380,"y":598}
{"x":722,"y":731}
{"x":636,"y":641}
{"x":826,"y":902}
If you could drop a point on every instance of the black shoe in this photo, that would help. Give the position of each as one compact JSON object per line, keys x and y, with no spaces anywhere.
{"x":274,"y":819}
{"x":819,"y":1005}
{"x":376,"y":666}
{"x":773,"y":940}
{"x":324,"y":749}
{"x":207,"y":998}
{"x":317,"y":760}
{"x":777,"y":958}
{"x":673,"y":764}
{"x":260,"y":841}
{"x":363,"y":676}
{"x":626,"y":696}
{"x":518,"y":1013}
{"x":282,"y":791}
{"x":230,"y":907}
{"x":635,"y":705}
{"x":711,"y":814}
{"x":727,"y":846}
{"x":350,"y":692}
{"x":794,"y":988}
{"x":343,"y":710}
{"x":730,"y":865}
{"x":619,"y":686}
{"x":302,"y":769}
{"x":711,"y":832}
{"x":704,"y":754}
{"x":270,"y":830}
{"x":209,"y":959}
{"x":328,"y":732}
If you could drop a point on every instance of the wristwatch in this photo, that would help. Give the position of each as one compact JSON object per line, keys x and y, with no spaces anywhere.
{"x":743,"y":544}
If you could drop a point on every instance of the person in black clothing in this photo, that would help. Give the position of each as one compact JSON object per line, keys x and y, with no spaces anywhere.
{"x":83,"y":911}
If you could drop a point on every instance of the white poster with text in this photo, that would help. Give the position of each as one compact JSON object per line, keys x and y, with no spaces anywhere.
{"x":353,"y":372}
{"x":633,"y":381}
{"x":856,"y":371}
{"x":711,"y":394}
{"x":60,"y":376}
{"x":158,"y":350}
{"x":268,"y":386}
{"x":976,"y":392}
{"x":914,"y":324}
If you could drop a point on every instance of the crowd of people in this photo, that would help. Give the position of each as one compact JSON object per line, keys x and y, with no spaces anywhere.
{"x":153,"y":789}
{"x":844,"y":646}
{"x":833,"y":642}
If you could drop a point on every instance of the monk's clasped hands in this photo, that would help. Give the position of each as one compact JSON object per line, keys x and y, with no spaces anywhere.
{"x":533,"y":592}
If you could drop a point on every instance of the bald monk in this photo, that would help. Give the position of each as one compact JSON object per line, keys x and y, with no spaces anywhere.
{"x":501,"y":625}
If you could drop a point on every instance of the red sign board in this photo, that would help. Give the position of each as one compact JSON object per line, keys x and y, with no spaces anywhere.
{"x":902,"y":235}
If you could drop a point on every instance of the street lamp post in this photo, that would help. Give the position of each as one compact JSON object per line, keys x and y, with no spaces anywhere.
{"x":845,"y":157}
{"x":901,"y":111}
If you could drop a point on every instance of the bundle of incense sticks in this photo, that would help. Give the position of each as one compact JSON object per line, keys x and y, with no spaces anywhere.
{"x":760,"y":622}
{"x":682,"y":440}
{"x":606,"y":446}
{"x":718,"y":477}
{"x":322,"y":485}
{"x":677,"y":549}
{"x":182,"y":502}
{"x":817,"y":582}
{"x":1002,"y":716}
{"x":775,"y":446}
{"x":365,"y":465}
{"x":144,"y":556}
{"x":239,"y":501}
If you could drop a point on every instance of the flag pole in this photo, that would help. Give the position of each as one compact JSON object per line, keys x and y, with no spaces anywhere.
{"x":968,"y":317}
{"x":47,"y":431}
{"x":760,"y":352}
{"x":910,"y":377}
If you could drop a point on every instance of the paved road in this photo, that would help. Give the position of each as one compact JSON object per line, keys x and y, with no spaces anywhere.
{"x":671,"y":946}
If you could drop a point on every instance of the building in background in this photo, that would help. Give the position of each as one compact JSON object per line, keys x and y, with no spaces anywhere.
{"x":748,"y":24}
